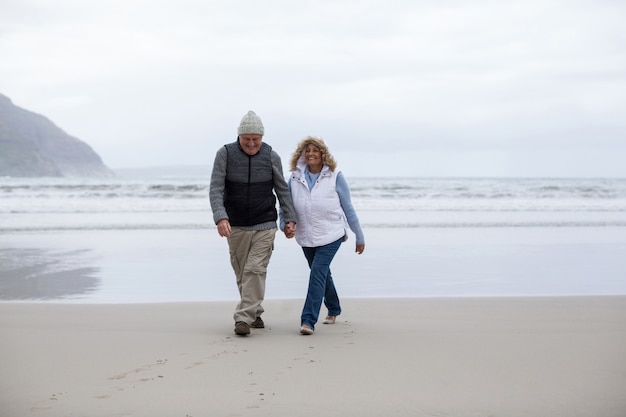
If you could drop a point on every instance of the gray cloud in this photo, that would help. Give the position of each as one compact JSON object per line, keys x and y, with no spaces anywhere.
{"x":519,"y":84}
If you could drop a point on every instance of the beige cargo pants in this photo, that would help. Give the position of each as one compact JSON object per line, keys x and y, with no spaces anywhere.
{"x":250,"y":252}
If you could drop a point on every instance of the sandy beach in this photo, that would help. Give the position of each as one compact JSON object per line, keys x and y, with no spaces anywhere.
{"x":499,"y":356}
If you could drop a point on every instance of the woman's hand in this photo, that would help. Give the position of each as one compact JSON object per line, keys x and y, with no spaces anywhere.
{"x":360,"y":248}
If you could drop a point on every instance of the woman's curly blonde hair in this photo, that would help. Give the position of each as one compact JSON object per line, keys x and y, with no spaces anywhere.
{"x":327,"y":157}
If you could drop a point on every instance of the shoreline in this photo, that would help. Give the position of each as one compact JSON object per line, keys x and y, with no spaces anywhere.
{"x":89,"y":302}
{"x":427,"y":356}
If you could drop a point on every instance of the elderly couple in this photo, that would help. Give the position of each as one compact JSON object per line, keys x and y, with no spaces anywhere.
{"x":315,"y":207}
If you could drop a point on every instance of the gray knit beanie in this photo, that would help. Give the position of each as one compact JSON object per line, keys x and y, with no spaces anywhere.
{"x":251,"y":123}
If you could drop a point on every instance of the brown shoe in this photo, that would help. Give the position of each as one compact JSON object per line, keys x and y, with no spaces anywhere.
{"x":258,"y":323}
{"x":242,"y":328}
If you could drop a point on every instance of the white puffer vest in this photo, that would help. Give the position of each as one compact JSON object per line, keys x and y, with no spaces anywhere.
{"x":321,"y":219}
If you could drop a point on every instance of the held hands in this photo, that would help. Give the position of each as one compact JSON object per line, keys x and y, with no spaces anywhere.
{"x":290,"y":230}
{"x":223,"y":228}
{"x":360,"y":248}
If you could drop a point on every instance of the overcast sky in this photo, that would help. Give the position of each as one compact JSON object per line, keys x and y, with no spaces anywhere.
{"x":409,"y":87}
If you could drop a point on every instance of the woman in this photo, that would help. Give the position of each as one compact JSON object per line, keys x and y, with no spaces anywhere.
{"x":321,"y":197}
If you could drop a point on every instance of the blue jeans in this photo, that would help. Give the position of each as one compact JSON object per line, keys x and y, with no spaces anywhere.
{"x":321,"y":286}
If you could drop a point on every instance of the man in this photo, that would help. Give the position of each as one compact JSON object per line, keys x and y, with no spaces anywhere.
{"x":246,"y":174}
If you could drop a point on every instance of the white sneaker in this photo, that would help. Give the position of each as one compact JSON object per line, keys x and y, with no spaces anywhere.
{"x":304,"y":329}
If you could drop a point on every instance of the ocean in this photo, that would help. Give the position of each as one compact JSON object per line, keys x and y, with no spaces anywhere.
{"x":145,"y":236}
{"x":182,"y":202}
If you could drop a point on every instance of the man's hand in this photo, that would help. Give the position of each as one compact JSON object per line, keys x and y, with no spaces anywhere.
{"x":290,"y":230}
{"x":223,"y":228}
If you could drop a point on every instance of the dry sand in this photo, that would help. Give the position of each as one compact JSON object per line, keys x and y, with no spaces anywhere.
{"x":465,"y":357}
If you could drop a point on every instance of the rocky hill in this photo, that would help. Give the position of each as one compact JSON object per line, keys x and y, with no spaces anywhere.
{"x":32,"y":146}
